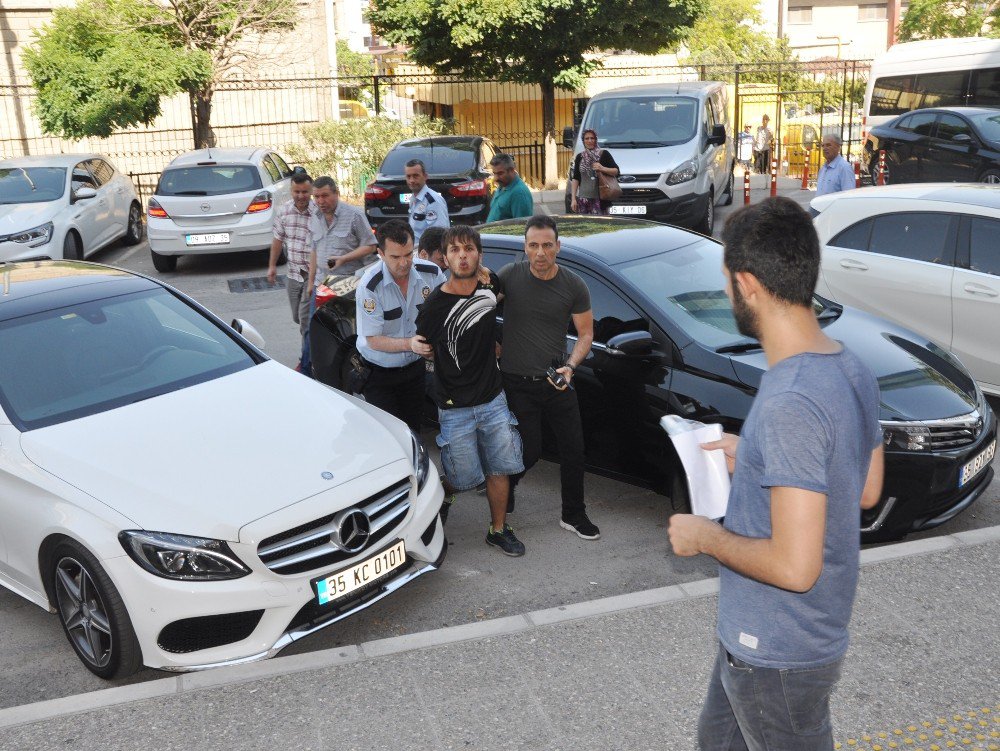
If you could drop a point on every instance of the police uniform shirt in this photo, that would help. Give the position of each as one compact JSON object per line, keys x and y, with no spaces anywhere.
{"x":382,"y":311}
{"x":427,"y":209}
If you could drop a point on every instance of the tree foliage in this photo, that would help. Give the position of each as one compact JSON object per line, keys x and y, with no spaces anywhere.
{"x":353,"y":64}
{"x":939,"y":19}
{"x":730,"y":32}
{"x":354,"y":149}
{"x":93,"y":79}
{"x":104,"y":65}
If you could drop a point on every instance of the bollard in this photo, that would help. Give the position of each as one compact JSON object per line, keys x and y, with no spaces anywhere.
{"x":857,"y":174}
{"x":881,"y":167}
{"x":774,"y":177}
{"x":746,"y":187}
{"x":805,"y":170}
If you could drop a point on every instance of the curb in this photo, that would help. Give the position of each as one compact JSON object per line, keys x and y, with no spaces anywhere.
{"x":225,"y":676}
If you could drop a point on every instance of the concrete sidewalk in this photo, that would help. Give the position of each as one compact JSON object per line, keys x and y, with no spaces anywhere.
{"x":624,"y":672}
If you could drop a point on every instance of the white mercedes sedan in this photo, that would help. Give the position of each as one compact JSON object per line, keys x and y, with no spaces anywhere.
{"x":176,"y":498}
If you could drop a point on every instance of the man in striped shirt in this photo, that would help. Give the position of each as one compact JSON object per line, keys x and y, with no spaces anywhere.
{"x":291,"y":231}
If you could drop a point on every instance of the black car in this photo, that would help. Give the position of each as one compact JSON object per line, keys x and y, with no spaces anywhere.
{"x":665,"y":341}
{"x":945,"y":144}
{"x":457,"y":168}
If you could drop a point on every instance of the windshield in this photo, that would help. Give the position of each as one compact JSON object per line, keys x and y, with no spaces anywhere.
{"x":208,"y":180}
{"x":453,"y":159}
{"x":640,"y":122}
{"x":688,"y":286}
{"x":32,"y":184}
{"x":84,"y":359}
{"x":988,"y":126}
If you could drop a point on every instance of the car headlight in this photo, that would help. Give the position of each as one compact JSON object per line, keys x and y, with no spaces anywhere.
{"x":182,"y":557}
{"x":421,"y":461}
{"x":906,"y":437}
{"x":35,"y":236}
{"x":687,"y":171}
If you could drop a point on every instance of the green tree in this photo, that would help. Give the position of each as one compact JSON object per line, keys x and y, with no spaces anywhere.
{"x":543,"y":42}
{"x":730,"y":32}
{"x":188,"y":45}
{"x":939,"y":19}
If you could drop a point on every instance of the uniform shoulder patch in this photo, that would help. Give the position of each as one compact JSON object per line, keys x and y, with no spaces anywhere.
{"x":369,"y":305}
{"x":426,"y":266}
{"x":374,"y":281}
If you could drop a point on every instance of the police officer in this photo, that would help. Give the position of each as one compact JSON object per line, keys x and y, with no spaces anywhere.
{"x":388,"y":299}
{"x":427,"y":207}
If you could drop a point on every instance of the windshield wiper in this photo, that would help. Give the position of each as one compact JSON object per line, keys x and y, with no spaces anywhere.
{"x":635,"y":144}
{"x":731,"y":349}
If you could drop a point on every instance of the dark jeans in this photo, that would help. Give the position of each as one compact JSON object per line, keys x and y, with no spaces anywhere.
{"x":767,"y":709}
{"x":399,"y":391}
{"x":535,"y":401}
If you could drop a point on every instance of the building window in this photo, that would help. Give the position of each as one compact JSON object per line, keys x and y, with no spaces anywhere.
{"x":872,"y":12}
{"x":800,"y":14}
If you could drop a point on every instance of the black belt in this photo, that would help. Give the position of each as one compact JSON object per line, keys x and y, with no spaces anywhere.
{"x":525,"y":378}
{"x":373,"y":366}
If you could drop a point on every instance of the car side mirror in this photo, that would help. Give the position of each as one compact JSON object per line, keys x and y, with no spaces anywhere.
{"x":83,"y":193}
{"x":961,"y":138}
{"x":568,"y":137}
{"x":248,"y":332}
{"x":718,"y":137}
{"x":631,"y":344}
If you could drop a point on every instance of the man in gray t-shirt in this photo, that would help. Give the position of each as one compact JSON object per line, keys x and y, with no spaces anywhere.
{"x":808,"y":459}
{"x":540,"y":300}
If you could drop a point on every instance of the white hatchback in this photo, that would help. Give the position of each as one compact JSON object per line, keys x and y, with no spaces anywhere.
{"x":926,"y":256}
{"x":216,"y":201}
{"x":178,"y":499}
{"x":65,"y":206}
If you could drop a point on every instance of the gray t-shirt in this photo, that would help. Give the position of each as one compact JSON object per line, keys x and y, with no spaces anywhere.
{"x":813,"y":425}
{"x":536,"y":314}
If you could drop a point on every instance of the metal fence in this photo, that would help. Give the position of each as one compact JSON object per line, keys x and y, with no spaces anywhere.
{"x":272,"y":112}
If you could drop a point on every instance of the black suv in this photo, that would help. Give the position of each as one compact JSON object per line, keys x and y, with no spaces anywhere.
{"x":944,"y":144}
{"x":457,"y":168}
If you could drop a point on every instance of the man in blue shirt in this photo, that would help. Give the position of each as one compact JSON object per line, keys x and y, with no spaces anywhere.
{"x":808,"y":459}
{"x":388,"y":298}
{"x":837,"y":174}
{"x":427,"y":207}
{"x":512,"y":199}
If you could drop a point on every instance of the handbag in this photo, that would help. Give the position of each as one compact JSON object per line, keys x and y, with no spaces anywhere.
{"x":608,"y":187}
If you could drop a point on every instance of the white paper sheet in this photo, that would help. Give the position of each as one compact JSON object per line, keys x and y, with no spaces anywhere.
{"x":706,"y":471}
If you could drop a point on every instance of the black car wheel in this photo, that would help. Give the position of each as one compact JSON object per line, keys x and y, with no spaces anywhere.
{"x":707,"y":224}
{"x":72,"y":247}
{"x":133,"y":230}
{"x":731,"y":186}
{"x":163,"y":263}
{"x":93,"y":615}
{"x":991,"y":176}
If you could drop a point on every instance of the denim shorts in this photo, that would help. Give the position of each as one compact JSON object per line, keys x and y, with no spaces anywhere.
{"x":479,"y":441}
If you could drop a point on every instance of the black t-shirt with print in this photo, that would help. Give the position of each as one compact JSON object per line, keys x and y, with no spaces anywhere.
{"x":462,"y":331}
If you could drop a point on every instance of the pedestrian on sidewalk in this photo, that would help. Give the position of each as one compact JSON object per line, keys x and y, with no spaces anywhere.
{"x":387,"y":301}
{"x":541,"y":299}
{"x":745,"y":148}
{"x":762,"y":143}
{"x":836,"y":174}
{"x":512,"y":198}
{"x":808,"y":458}
{"x":457,"y":327}
{"x":585,"y":189}
{"x":291,"y":233}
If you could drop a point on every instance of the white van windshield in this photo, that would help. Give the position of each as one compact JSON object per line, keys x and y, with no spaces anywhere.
{"x":642,"y":122}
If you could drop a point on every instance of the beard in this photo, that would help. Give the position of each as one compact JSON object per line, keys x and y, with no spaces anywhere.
{"x":746,"y":319}
{"x":472,"y":273}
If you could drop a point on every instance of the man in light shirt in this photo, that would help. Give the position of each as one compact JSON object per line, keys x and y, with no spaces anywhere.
{"x":836,"y":175}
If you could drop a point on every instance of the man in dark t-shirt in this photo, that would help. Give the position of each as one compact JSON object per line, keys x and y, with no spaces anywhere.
{"x":457,"y":327}
{"x":541,"y":298}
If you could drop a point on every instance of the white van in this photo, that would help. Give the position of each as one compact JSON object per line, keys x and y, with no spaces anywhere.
{"x":932,"y":73}
{"x":673,"y":145}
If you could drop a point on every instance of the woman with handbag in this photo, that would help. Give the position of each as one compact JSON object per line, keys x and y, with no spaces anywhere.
{"x":595,"y":178}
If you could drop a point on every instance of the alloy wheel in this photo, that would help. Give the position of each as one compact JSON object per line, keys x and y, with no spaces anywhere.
{"x":83,"y":612}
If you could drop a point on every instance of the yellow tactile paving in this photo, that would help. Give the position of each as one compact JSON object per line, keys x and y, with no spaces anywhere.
{"x":974,"y":730}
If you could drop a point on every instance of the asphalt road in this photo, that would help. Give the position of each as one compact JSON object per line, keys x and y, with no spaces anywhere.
{"x":476,"y":582}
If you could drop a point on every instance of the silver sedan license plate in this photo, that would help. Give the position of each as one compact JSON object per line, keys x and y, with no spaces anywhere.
{"x":216,"y":238}
{"x":628,"y":209}
{"x":978,"y":464}
{"x":342,"y":583}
